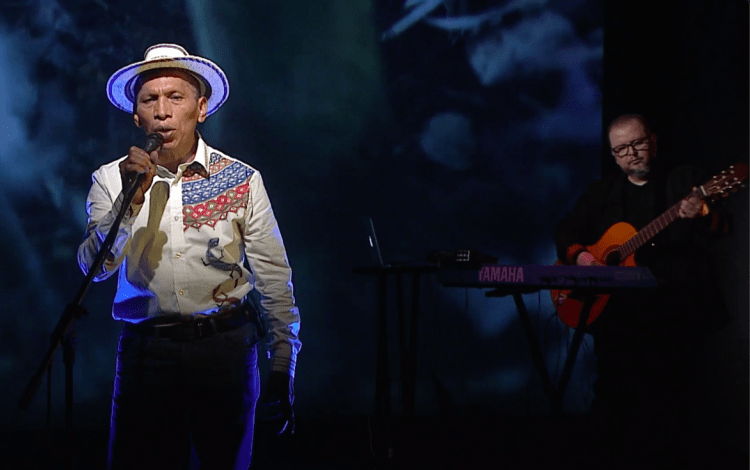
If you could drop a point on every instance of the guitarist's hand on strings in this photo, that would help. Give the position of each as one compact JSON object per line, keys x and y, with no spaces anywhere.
{"x":692,"y":207}
{"x":587,"y":259}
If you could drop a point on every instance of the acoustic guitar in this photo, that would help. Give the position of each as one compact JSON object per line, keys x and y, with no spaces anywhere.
{"x":618,"y":244}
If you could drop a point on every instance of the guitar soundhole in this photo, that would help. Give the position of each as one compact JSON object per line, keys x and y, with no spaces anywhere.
{"x":613,"y":258}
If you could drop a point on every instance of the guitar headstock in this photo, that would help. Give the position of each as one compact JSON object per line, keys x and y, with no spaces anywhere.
{"x":728,"y":181}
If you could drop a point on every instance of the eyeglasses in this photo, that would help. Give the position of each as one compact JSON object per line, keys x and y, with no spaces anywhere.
{"x":639,"y":144}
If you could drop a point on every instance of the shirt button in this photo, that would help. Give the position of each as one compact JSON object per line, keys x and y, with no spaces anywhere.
{"x":182,"y":292}
{"x":177,"y":217}
{"x":178,"y":255}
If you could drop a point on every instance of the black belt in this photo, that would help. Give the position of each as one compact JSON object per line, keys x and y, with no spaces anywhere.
{"x":190,"y":328}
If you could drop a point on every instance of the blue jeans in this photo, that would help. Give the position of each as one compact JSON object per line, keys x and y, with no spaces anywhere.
{"x":169,"y":394}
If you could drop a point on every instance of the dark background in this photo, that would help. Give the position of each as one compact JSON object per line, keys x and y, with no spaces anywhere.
{"x":478,"y":137}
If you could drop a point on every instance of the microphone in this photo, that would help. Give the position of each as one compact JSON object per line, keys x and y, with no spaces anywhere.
{"x":153,"y":142}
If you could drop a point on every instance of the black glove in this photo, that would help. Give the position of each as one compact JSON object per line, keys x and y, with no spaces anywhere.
{"x":275,"y":406}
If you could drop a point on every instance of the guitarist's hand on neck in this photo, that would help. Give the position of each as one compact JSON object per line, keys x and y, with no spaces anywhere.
{"x":692,"y":207}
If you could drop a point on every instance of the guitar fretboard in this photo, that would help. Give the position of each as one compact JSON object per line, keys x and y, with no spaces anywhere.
{"x":652,"y":229}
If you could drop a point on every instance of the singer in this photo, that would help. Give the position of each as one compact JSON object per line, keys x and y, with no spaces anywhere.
{"x":198,"y":237}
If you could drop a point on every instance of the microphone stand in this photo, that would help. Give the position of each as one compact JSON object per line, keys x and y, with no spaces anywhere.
{"x":64,"y":332}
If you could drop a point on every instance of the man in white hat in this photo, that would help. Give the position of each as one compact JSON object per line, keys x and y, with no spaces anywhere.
{"x":197,"y":238}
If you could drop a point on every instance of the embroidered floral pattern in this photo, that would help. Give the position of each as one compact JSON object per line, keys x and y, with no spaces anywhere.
{"x":205,"y":201}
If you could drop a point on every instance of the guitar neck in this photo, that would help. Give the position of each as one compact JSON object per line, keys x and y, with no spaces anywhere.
{"x":654,"y":227}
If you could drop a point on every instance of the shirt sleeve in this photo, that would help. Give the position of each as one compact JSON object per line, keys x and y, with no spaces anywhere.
{"x":575,"y":230}
{"x":102,"y":209}
{"x":268,"y":261}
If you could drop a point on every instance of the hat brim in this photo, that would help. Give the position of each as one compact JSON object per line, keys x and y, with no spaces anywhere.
{"x":121,"y":85}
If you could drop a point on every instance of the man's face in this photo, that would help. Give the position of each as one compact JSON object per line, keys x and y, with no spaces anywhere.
{"x":168,"y":104}
{"x":636,"y":162}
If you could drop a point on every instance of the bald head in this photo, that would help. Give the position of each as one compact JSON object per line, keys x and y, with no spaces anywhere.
{"x":629,"y":119}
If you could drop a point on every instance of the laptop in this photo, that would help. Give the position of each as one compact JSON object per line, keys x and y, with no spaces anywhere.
{"x":372,"y":237}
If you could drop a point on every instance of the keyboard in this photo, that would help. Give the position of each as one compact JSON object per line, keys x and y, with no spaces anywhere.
{"x":547,"y":277}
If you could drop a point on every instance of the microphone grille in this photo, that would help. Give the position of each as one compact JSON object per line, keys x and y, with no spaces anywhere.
{"x":153,"y":142}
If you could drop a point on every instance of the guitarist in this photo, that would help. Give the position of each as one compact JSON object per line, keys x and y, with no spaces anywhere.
{"x":646,"y":342}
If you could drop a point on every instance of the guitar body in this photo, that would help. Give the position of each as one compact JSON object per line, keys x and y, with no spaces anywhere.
{"x":569,"y":305}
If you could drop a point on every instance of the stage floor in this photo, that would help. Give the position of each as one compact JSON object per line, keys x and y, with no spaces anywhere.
{"x":366,"y":443}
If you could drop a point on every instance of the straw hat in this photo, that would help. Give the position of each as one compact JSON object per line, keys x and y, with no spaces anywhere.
{"x":213,"y":82}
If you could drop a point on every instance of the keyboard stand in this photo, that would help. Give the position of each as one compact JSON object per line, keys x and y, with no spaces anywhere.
{"x":556,"y":393}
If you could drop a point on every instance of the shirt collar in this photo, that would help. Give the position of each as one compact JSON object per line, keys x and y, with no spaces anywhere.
{"x":199,"y":165}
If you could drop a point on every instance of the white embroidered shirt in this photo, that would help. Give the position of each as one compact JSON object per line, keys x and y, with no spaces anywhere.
{"x":188,"y":247}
